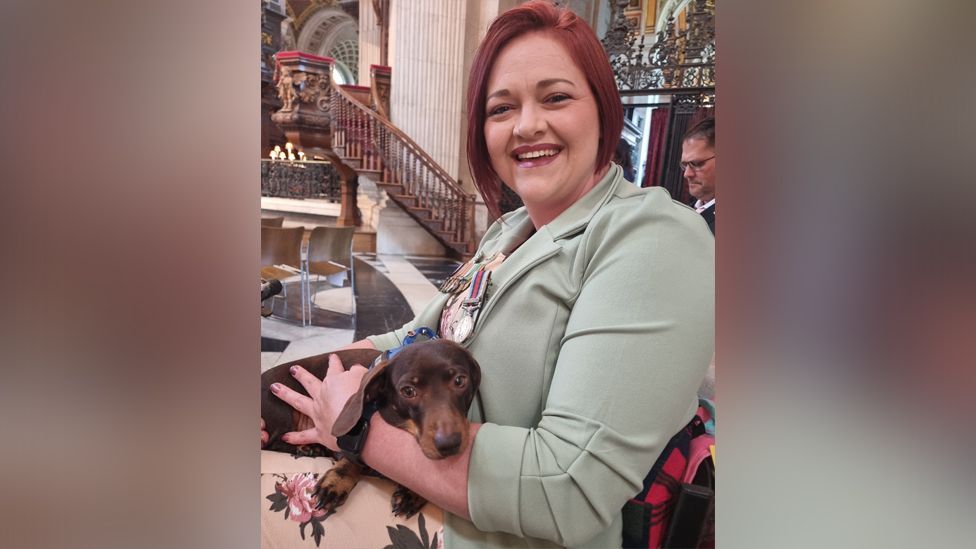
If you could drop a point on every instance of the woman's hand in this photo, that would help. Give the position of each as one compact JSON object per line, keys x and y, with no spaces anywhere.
{"x":264,"y":434}
{"x":327,"y":399}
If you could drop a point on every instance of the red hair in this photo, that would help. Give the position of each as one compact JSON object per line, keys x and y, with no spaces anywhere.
{"x":583,"y":46}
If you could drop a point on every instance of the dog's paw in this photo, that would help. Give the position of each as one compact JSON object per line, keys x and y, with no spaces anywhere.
{"x":332,"y":490}
{"x":311,"y":450}
{"x":406,"y":503}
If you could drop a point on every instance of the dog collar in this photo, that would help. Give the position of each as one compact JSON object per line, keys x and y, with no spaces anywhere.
{"x":410,"y":338}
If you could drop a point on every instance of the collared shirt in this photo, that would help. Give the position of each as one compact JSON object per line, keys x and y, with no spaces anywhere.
{"x":700,"y":207}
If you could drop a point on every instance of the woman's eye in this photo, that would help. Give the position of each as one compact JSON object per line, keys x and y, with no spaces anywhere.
{"x":408,"y":391}
{"x":459,"y":381}
{"x":557,"y":98}
{"x":501,"y":109}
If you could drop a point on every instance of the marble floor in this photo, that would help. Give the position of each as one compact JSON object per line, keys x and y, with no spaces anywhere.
{"x":390,"y":290}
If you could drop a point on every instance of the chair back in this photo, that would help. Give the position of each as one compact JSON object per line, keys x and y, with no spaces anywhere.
{"x":272,"y":221}
{"x":281,"y":245}
{"x":329,"y":244}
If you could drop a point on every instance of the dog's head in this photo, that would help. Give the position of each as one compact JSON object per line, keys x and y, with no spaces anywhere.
{"x":426,"y":390}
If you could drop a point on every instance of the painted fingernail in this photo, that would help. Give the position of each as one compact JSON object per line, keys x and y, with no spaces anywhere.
{"x":293,"y":370}
{"x":275,"y":387}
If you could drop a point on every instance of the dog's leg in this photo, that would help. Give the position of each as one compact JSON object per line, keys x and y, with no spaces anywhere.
{"x":334,"y":486}
{"x":406,"y":503}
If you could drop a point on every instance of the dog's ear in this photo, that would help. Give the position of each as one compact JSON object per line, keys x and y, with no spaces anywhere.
{"x":369,"y":388}
{"x":474,"y":376}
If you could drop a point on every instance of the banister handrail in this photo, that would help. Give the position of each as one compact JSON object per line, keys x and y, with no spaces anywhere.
{"x":417,"y":150}
{"x":419,"y":184}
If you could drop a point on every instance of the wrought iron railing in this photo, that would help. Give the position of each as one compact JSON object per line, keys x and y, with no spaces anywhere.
{"x":409,"y":175}
{"x":299,"y":179}
{"x":676,"y":59}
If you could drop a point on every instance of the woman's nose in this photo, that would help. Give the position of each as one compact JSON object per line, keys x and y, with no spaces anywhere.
{"x":530,"y":122}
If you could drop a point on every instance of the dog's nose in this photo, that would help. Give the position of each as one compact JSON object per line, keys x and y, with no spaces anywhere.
{"x":447,"y":444}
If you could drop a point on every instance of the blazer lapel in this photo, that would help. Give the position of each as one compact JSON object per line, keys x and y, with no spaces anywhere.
{"x":544,"y":244}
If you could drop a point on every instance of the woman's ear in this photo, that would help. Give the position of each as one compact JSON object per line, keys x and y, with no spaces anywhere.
{"x":369,"y":389}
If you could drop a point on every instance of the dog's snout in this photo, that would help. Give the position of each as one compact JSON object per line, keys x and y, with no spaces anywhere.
{"x":447,"y":443}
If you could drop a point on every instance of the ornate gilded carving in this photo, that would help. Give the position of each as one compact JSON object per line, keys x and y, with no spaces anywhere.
{"x":677,"y":59}
{"x":315,"y":91}
{"x":286,"y":89}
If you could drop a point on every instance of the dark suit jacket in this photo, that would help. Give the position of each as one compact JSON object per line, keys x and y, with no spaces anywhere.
{"x":709,"y":215}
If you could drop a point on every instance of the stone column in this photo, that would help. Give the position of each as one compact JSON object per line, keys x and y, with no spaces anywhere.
{"x":370,"y":39}
{"x":427,"y":43}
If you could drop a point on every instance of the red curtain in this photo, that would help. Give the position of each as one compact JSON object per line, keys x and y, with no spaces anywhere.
{"x":656,"y":143}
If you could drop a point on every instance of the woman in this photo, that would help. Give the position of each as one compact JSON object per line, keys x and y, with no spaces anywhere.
{"x":597,"y":326}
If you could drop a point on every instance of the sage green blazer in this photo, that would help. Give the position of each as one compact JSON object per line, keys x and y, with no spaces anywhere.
{"x":597,"y":331}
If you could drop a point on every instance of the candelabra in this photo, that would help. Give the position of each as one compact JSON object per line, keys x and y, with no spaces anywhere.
{"x":289,"y":173}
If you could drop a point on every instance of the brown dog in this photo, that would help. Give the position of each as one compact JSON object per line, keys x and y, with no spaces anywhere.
{"x":425,"y":389}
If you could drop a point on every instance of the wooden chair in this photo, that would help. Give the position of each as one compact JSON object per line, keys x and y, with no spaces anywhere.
{"x":330,"y":260}
{"x":272,"y":221}
{"x":281,"y":258}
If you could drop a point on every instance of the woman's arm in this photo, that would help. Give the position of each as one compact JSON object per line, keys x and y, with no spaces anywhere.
{"x":395,"y":453}
{"x":361,"y":344}
{"x":631,"y":355}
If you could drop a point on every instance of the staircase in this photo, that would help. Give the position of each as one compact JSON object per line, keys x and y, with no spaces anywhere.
{"x":374,"y":147}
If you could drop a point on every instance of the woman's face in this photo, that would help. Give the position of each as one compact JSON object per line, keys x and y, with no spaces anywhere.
{"x":542,"y":126}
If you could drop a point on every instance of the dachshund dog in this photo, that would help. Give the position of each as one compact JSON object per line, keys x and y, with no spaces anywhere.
{"x":425,"y":389}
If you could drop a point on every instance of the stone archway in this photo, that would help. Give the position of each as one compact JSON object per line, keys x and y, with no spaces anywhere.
{"x":331,"y":32}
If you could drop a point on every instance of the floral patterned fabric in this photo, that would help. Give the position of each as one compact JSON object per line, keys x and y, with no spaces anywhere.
{"x":290,"y":520}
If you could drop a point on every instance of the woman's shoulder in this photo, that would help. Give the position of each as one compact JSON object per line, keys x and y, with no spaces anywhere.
{"x":648,"y":207}
{"x":507,"y":220}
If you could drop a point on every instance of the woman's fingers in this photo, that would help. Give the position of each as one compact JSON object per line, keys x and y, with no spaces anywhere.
{"x":310,"y":382}
{"x":296,"y":400}
{"x":335,"y":366}
{"x":264,"y":434}
{"x":297,"y":438}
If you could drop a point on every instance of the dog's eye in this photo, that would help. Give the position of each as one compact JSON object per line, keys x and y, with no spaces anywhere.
{"x":408,"y":391}
{"x":460,"y":381}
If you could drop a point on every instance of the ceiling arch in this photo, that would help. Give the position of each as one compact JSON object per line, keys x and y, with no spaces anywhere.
{"x":331,"y":32}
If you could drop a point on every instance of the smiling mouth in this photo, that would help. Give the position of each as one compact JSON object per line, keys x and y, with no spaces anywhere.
{"x":536,"y":154}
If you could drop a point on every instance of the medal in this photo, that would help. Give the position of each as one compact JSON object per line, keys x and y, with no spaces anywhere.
{"x":464,"y":326}
{"x":471,"y":306}
{"x":460,"y":275}
{"x":472,"y":279}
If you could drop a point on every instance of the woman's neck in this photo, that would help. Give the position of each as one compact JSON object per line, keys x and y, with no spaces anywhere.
{"x":543,"y":214}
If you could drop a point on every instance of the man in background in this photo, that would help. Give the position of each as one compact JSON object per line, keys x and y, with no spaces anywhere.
{"x":698,"y":167}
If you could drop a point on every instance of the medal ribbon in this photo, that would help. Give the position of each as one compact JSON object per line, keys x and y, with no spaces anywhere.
{"x":478,"y":287}
{"x":458,"y":281}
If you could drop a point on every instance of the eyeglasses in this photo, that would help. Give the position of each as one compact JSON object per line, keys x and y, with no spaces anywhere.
{"x":694,"y":164}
